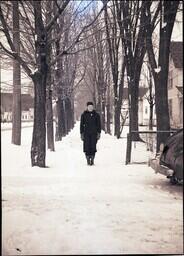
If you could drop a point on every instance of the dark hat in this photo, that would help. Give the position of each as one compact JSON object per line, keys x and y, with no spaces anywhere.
{"x":89,"y":103}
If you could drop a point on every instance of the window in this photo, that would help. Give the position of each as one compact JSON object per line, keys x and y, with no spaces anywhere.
{"x":181,"y":109}
{"x":146,"y":110}
{"x":170,"y":108}
{"x":170,"y":79}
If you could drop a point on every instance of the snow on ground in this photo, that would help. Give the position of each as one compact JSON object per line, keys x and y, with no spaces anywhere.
{"x":8,"y":126}
{"x":72,"y":208}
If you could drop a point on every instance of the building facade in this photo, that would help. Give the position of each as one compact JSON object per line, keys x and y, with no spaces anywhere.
{"x":141,"y":105}
{"x":175,"y":90}
{"x":175,"y":85}
{"x":27,"y":103}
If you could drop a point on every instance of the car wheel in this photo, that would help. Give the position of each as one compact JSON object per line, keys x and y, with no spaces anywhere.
{"x":173,"y":180}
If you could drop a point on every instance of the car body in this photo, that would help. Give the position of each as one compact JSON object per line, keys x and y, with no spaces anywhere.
{"x":169,"y":161}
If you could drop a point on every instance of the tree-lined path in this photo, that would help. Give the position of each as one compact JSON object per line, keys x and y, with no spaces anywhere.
{"x":55,"y":56}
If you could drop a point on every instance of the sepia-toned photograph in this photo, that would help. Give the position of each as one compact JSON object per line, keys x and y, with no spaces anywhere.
{"x":91,"y":127}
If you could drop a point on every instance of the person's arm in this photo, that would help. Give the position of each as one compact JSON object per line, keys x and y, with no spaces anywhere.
{"x":98,"y":126}
{"x":82,"y":124}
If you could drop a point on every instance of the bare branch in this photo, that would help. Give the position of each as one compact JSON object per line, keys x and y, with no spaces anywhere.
{"x":82,"y":78}
{"x":64,"y":52}
{"x":14,"y":55}
{"x":6,"y":32}
{"x":60,"y":11}
{"x":27,"y":18}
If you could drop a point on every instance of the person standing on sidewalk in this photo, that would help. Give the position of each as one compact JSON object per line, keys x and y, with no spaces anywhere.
{"x":90,"y":130}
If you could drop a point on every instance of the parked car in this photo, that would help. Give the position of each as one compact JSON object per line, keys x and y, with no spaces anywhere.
{"x":169,"y":161}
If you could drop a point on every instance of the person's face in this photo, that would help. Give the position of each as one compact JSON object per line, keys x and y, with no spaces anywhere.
{"x":90,"y":108}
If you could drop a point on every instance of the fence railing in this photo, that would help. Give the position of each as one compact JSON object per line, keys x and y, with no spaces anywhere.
{"x":150,"y":141}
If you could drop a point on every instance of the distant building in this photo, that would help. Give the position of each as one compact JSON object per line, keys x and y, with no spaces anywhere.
{"x":175,"y":91}
{"x":145,"y":111}
{"x":143,"y":106}
{"x":175,"y":84}
{"x":27,"y":103}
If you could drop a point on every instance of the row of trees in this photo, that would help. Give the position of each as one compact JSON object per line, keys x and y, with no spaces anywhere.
{"x":128,"y":31}
{"x":102,"y":45}
{"x":39,"y":40}
{"x":124,"y":39}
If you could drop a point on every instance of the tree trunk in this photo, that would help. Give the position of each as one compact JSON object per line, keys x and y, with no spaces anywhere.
{"x":113,"y":47}
{"x":151,"y":99}
{"x":108,"y":120}
{"x":161,"y":104}
{"x":134,"y":110}
{"x":63,"y":118}
{"x":38,"y":151}
{"x":117,"y":112}
{"x":161,"y":76}
{"x":161,"y":89}
{"x":116,"y":121}
{"x":108,"y":109}
{"x":100,"y":110}
{"x":50,"y":128}
{"x":120,"y":100}
{"x":59,"y":85}
{"x":68,"y":115}
{"x":73,"y":118}
{"x":103,"y":114}
{"x":151,"y":117}
{"x":49,"y":109}
{"x":134,"y":90}
{"x":38,"y":147}
{"x":59,"y":130}
{"x":16,"y":109}
{"x":60,"y":119}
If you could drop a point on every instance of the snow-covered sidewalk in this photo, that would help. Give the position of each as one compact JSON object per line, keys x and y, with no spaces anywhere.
{"x":72,"y":208}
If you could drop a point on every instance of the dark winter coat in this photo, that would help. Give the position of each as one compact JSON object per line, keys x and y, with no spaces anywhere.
{"x":90,"y":126}
{"x":90,"y":123}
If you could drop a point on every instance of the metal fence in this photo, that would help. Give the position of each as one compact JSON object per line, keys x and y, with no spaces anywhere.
{"x":149,"y":138}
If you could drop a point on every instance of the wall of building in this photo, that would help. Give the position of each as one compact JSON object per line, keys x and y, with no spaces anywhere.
{"x":146,"y":113}
{"x":26,"y":116}
{"x":143,"y":112}
{"x":174,"y":96}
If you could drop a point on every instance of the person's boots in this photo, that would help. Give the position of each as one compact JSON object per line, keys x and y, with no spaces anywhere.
{"x":88,"y":160}
{"x":92,"y":160}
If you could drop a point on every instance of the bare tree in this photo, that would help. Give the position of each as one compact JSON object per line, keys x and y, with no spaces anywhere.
{"x":108,"y":103}
{"x":39,"y":76}
{"x":37,"y":61}
{"x":151,"y":96}
{"x":16,"y":109}
{"x":130,"y":15}
{"x":117,"y":64}
{"x":65,"y":70}
{"x":168,"y":10}
{"x":97,"y":78}
{"x":49,"y":109}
